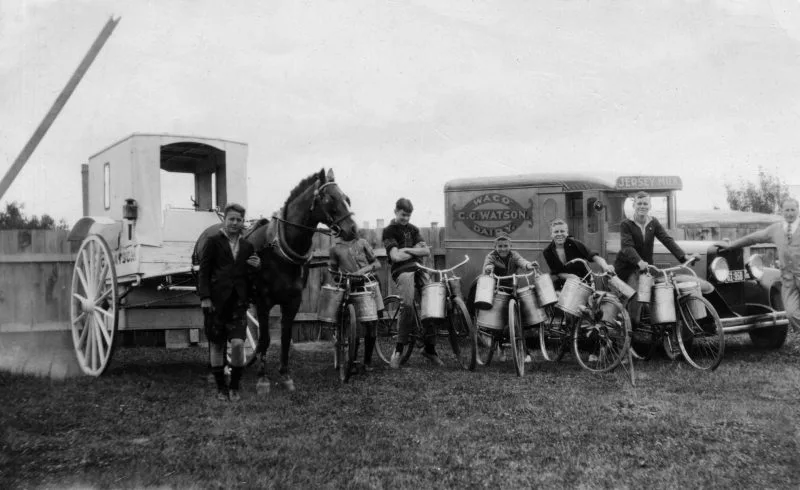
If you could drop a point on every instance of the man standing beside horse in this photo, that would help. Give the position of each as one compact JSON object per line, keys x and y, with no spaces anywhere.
{"x":226,"y":275}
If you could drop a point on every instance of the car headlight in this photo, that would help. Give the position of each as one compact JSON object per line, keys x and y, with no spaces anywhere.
{"x":755,"y":266}
{"x":720,"y":270}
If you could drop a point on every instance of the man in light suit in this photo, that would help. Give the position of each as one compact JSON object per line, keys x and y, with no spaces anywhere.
{"x":786,"y":238}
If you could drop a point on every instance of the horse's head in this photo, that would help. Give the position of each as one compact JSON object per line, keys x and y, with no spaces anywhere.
{"x":333,"y":208}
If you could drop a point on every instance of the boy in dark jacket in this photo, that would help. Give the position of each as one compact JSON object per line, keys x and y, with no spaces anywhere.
{"x":225,"y":279}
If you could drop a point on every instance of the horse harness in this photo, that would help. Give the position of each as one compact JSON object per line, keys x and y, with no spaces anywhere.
{"x":279,"y":242}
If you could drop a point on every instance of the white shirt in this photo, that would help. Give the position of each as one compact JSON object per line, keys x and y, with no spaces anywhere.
{"x":233,"y":241}
{"x":795,"y":224}
{"x":643,"y":226}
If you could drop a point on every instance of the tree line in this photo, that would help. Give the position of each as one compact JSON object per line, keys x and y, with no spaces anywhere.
{"x":13,"y":218}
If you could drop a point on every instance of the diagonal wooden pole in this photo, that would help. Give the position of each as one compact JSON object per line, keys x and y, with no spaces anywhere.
{"x":59,"y":104}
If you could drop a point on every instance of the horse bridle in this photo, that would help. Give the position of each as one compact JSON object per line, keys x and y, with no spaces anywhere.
{"x":331,"y":222}
{"x":283,"y":247}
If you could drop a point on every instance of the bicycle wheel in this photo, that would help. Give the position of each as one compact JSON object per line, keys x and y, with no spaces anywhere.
{"x":345,"y":344}
{"x":554,"y":335}
{"x":645,"y":338}
{"x":463,"y":335}
{"x":515,"y":337}
{"x":602,"y":337}
{"x":415,"y":338}
{"x":388,"y":327}
{"x":700,"y":334}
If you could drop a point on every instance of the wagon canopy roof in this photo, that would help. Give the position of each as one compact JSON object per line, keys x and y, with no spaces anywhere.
{"x":567,"y":181}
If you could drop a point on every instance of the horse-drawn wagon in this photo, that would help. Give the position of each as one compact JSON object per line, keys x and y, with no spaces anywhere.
{"x":133,"y":269}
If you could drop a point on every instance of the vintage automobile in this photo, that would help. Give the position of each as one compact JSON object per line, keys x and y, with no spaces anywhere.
{"x":746,"y":292}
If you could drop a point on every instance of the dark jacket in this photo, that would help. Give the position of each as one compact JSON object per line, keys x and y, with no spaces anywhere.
{"x":221,"y":274}
{"x":635,"y":247}
{"x":573,"y":249}
{"x":401,"y":236}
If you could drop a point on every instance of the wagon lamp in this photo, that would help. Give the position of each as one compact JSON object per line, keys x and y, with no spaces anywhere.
{"x":755,"y":266}
{"x":130,"y":211}
{"x":720,"y":269}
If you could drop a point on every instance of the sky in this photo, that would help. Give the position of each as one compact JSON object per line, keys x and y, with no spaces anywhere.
{"x":398,"y":97}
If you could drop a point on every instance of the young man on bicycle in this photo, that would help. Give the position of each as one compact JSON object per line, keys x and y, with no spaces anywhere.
{"x":406,"y":249}
{"x":357,"y":257}
{"x":564,"y":248}
{"x":637,"y":238}
{"x":502,"y":261}
{"x":226,"y":275}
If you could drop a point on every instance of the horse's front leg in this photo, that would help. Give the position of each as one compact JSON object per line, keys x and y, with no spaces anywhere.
{"x":263,"y":306}
{"x":288,"y":312}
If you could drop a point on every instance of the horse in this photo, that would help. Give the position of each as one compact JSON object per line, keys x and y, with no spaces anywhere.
{"x":284,"y":247}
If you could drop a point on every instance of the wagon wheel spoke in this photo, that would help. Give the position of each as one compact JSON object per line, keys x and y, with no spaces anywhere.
{"x":82,"y":278}
{"x":79,"y":318}
{"x":103,"y":312}
{"x":101,"y":326}
{"x":103,"y":296}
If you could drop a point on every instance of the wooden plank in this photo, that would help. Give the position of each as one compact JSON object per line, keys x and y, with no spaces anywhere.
{"x":36,"y":257}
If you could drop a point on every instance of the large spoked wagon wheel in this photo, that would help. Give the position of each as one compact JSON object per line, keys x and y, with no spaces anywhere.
{"x":463,"y":335}
{"x":94,"y":307}
{"x":700,"y":334}
{"x":554,"y":334}
{"x":516,"y":338}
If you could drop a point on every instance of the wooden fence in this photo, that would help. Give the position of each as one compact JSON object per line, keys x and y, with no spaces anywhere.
{"x":35,"y":280}
{"x":36,"y":274}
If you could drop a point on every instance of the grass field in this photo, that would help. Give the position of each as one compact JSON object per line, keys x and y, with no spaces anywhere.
{"x":152,"y":421}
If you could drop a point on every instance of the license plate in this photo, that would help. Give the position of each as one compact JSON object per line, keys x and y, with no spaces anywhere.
{"x":736,"y":276}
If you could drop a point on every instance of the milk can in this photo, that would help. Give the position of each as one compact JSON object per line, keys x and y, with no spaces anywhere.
{"x":692,"y":288}
{"x":330,"y":299}
{"x":364,"y":304}
{"x":530,"y":311}
{"x":484,"y":292}
{"x":433,"y":301}
{"x":573,"y":295}
{"x":545,"y":290}
{"x":645,"y":287}
{"x":497,"y":317}
{"x":662,"y":306}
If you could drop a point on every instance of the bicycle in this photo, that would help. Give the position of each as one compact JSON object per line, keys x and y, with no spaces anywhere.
{"x":594,"y":323}
{"x":509,"y":328}
{"x":338,"y":309}
{"x":447,"y":301}
{"x":679,"y":315}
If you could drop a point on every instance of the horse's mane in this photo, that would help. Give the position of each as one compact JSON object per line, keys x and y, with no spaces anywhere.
{"x":303,"y":185}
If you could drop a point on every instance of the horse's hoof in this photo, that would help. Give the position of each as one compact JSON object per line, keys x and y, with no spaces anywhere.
{"x":262,"y":386}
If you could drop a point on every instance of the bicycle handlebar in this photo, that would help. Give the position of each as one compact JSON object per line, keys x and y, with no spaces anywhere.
{"x":684,"y":266}
{"x":350,"y":275}
{"x":589,"y":268}
{"x":444,"y":271}
{"x":514,"y":275}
